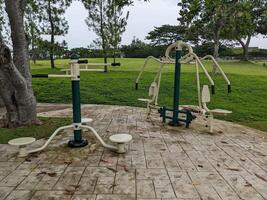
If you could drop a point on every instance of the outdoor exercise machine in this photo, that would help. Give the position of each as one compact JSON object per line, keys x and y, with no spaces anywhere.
{"x":154,"y":87}
{"x":78,"y":124}
{"x":84,"y":67}
{"x":152,"y":103}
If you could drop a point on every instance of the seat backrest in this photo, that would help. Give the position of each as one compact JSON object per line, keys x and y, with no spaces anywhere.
{"x":205,"y":96}
{"x":153,"y":89}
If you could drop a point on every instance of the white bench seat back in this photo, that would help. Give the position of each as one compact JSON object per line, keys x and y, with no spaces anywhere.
{"x":153,"y":89}
{"x":205,"y":94}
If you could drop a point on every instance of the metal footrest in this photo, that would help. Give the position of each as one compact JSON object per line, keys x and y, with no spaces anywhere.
{"x":176,"y":122}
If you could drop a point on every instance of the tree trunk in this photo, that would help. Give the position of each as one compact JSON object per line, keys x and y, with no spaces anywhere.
{"x":105,"y":61}
{"x":33,"y":56}
{"x":103,"y":37}
{"x":114,"y":57}
{"x":33,"y":47}
{"x":216,"y":49}
{"x":216,"y":39}
{"x":52,"y":40}
{"x":245,"y":47}
{"x":1,"y":103}
{"x":15,"y":78}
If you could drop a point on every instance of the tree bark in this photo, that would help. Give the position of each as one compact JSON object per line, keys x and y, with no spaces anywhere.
{"x":216,"y":40}
{"x":52,"y":40}
{"x":245,"y":46}
{"x":104,"y":45}
{"x":1,"y":102}
{"x":15,"y":78}
{"x":216,"y":50}
{"x":114,"y":57}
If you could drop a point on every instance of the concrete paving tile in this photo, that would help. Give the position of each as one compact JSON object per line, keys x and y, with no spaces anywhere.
{"x":98,"y":172}
{"x":15,"y":178}
{"x":83,"y":197}
{"x":20,"y":195}
{"x":160,"y":174}
{"x":145,"y":189}
{"x":125,"y":182}
{"x":163,"y":189}
{"x":70,"y":179}
{"x":48,"y":195}
{"x":115,"y":197}
{"x":4,"y":192}
{"x":86,"y":185}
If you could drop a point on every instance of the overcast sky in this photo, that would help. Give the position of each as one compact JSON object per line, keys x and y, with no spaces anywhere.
{"x":143,"y":17}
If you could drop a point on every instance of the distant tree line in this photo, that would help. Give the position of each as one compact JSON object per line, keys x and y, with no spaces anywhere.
{"x":140,"y":49}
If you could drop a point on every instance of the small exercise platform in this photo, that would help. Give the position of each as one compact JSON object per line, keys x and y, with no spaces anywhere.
{"x":121,"y":140}
{"x":22,"y":143}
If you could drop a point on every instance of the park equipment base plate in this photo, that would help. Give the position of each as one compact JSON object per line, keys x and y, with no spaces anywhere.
{"x":75,"y":144}
{"x":171,"y":123}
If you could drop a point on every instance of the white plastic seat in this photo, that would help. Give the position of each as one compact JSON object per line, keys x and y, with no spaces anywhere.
{"x":121,"y":140}
{"x":153,"y":92}
{"x":205,"y":98}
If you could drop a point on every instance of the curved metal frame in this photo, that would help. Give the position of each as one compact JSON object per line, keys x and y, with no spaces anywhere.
{"x":217,"y":66}
{"x":113,"y":148}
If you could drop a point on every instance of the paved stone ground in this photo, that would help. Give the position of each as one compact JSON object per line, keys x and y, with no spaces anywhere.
{"x":161,"y":163}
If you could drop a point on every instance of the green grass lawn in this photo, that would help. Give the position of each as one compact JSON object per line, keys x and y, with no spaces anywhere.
{"x":248,"y":99}
{"x":49,"y":125}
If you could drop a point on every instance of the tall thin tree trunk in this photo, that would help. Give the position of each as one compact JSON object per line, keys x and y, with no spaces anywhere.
{"x":103,"y":36}
{"x":33,"y":47}
{"x":216,"y":40}
{"x":216,"y":49}
{"x":33,"y":51}
{"x":15,"y":78}
{"x":52,"y":40}
{"x":105,"y":61}
{"x":114,"y":57}
{"x":245,"y":47}
{"x":32,"y":39}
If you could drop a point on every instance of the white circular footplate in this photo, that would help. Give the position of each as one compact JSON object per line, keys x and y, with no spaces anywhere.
{"x":121,"y":140}
{"x":21,"y":141}
{"x":86,"y":121}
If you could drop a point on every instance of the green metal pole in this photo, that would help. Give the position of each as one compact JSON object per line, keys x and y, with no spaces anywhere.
{"x":77,"y":141}
{"x":76,"y":109}
{"x":176,"y":93}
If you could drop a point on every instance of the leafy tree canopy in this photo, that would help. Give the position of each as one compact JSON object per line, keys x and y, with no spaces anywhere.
{"x":165,"y":34}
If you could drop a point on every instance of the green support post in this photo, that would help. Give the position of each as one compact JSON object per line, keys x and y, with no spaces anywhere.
{"x":176,"y":95}
{"x":77,"y":140}
{"x":175,"y":120}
